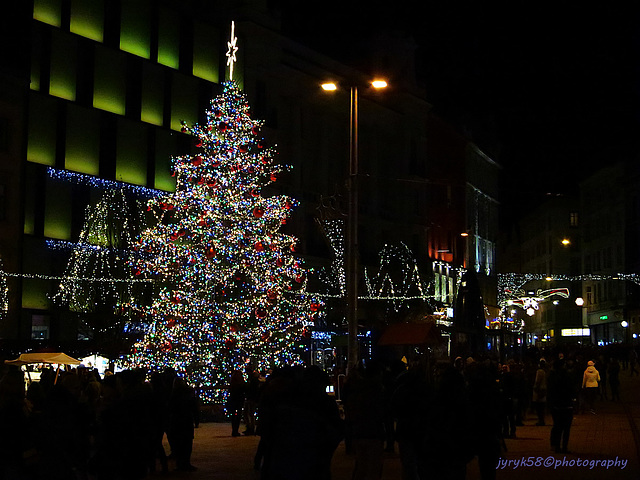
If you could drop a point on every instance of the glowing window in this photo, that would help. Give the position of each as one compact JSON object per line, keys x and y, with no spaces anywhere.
{"x":131,"y":154}
{"x":35,"y":293}
{"x":48,"y":11}
{"x":184,"y":103}
{"x":168,"y":39}
{"x":134,"y":28}
{"x":41,"y":140}
{"x":57,"y":210}
{"x":165,"y":148}
{"x":82,"y":149}
{"x":87,"y":19}
{"x":63,"y":66}
{"x":109,"y":87}
{"x":152,"y":94}
{"x":205,"y":52}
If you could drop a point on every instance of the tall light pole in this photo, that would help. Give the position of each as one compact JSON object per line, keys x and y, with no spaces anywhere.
{"x":351,"y":250}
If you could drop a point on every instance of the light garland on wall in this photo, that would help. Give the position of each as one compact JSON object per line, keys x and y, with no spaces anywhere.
{"x":4,"y":293}
{"x":101,"y":183}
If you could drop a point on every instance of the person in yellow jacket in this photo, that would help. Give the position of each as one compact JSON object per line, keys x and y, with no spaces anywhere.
{"x":590,"y":383}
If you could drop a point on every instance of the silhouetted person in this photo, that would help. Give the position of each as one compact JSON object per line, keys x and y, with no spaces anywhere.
{"x":183,"y":418}
{"x":539,"y":398}
{"x":447,"y":446}
{"x":251,"y":401}
{"x":364,"y":399}
{"x":633,"y":362}
{"x":485,"y":412}
{"x":560,"y":397}
{"x":300,"y":425}
{"x":508,"y":402}
{"x":237,"y":395}
{"x":614,"y":379}
{"x":410,"y":402}
{"x":13,"y":423}
{"x":160,"y":414}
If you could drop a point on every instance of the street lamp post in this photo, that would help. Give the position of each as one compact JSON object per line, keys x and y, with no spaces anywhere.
{"x":351,"y":250}
{"x":352,"y":235}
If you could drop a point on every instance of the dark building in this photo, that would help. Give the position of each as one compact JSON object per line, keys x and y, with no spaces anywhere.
{"x":541,"y":253}
{"x":610,"y":254}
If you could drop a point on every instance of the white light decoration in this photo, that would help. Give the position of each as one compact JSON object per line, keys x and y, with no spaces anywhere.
{"x":4,"y":293}
{"x":233,"y":49}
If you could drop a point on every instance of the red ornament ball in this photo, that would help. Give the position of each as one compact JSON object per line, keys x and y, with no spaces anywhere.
{"x":210,"y":252}
{"x":261,"y":312}
{"x":196,"y":161}
{"x":259,"y":247}
{"x":258,"y":212}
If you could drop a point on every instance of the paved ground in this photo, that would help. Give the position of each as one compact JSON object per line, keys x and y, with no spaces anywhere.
{"x":610,"y":436}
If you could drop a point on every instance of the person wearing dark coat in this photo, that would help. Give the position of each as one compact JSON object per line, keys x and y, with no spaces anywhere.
{"x":560,"y":398}
{"x":183,"y":418}
{"x":364,"y":400}
{"x":237,"y":396}
{"x":300,"y":425}
{"x":614,"y":379}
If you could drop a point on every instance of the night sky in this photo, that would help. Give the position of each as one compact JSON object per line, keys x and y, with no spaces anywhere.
{"x":550,"y":92}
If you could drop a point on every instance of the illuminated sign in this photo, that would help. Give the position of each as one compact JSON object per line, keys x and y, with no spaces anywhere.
{"x":575,"y":332}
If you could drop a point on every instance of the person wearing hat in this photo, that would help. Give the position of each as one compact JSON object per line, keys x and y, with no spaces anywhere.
{"x":590,"y":382}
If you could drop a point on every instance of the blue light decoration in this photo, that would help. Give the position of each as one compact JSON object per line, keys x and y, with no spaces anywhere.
{"x":101,"y":183}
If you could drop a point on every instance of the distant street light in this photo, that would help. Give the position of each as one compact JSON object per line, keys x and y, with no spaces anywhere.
{"x":352,"y":222}
{"x":579,"y":301}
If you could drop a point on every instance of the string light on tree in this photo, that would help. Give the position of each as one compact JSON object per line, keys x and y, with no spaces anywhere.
{"x":231,"y":287}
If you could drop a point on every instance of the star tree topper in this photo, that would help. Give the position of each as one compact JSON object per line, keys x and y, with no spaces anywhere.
{"x":233,"y":48}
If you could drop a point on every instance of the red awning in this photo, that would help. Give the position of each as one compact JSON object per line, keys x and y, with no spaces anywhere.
{"x":410,"y":334}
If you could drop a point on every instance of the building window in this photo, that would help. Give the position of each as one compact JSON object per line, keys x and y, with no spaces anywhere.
{"x":205,"y":52}
{"x":48,"y":11}
{"x":40,"y":327}
{"x":110,"y":81}
{"x":63,"y":66}
{"x":87,"y":19}
{"x":168,"y":39}
{"x":573,"y":219}
{"x":41,"y":138}
{"x":135,"y":28}
{"x":184,"y":103}
{"x":57,"y":212}
{"x":82,"y":148}
{"x":131,"y":159}
{"x":165,"y":148}
{"x":152,"y":110}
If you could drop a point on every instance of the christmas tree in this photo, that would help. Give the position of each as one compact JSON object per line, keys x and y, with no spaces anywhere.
{"x":232,"y":290}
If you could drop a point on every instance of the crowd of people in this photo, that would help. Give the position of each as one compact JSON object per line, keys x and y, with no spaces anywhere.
{"x":81,"y":425}
{"x":438,"y":415}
